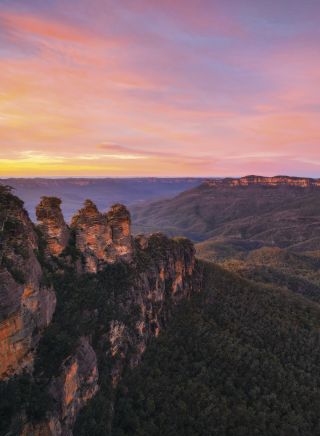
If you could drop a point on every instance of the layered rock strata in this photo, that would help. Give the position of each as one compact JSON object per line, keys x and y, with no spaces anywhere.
{"x":302,"y":182}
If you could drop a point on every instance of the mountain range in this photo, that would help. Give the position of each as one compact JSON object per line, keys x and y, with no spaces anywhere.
{"x":285,"y":212}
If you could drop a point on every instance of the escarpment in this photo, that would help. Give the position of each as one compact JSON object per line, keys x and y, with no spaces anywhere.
{"x":302,"y":182}
{"x":26,"y":305}
{"x":114,"y":293}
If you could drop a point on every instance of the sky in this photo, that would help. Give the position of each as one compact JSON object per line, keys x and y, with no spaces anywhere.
{"x":159,"y":88}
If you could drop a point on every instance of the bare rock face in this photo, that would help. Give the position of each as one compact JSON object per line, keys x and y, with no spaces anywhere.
{"x":52,"y":224}
{"x":102,"y":238}
{"x":76,"y":385}
{"x":302,"y":182}
{"x":26,"y":307}
{"x":93,"y":235}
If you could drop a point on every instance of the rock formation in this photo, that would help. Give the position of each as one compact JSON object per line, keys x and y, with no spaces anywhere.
{"x":102,"y":238}
{"x":120,"y":224}
{"x":160,"y":272}
{"x":52,"y":224}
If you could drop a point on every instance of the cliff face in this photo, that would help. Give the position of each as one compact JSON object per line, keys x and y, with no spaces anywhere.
{"x":115,"y":329}
{"x":26,"y":307}
{"x":302,"y":182}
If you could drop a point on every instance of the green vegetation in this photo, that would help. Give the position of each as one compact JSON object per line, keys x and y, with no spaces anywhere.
{"x":20,"y":392}
{"x":236,"y":359}
{"x":10,"y":226}
{"x":17,"y":274}
{"x":272,"y":266}
{"x":11,"y":231}
{"x":85,"y":305}
{"x":71,"y":250}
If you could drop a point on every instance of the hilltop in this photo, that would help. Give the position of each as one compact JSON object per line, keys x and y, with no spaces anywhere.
{"x":282,"y":211}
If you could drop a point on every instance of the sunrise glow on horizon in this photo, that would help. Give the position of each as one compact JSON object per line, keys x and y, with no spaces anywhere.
{"x":159,"y":88}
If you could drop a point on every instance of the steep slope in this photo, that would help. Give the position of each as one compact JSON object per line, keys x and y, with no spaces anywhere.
{"x":26,"y":304}
{"x":281,"y":211}
{"x":113,"y":292}
{"x":236,"y":359}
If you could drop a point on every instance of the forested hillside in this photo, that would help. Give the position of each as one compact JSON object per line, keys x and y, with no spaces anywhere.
{"x":236,"y":359}
{"x":106,"y":334}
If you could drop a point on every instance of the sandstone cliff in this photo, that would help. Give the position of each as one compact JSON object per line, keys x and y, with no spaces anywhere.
{"x":302,"y":182}
{"x":26,"y":306}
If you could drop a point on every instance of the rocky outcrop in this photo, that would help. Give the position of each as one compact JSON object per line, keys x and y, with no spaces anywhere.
{"x":302,"y":182}
{"x":102,"y":238}
{"x":26,"y":307}
{"x":52,"y":224}
{"x":76,"y":385}
{"x":120,"y":223}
